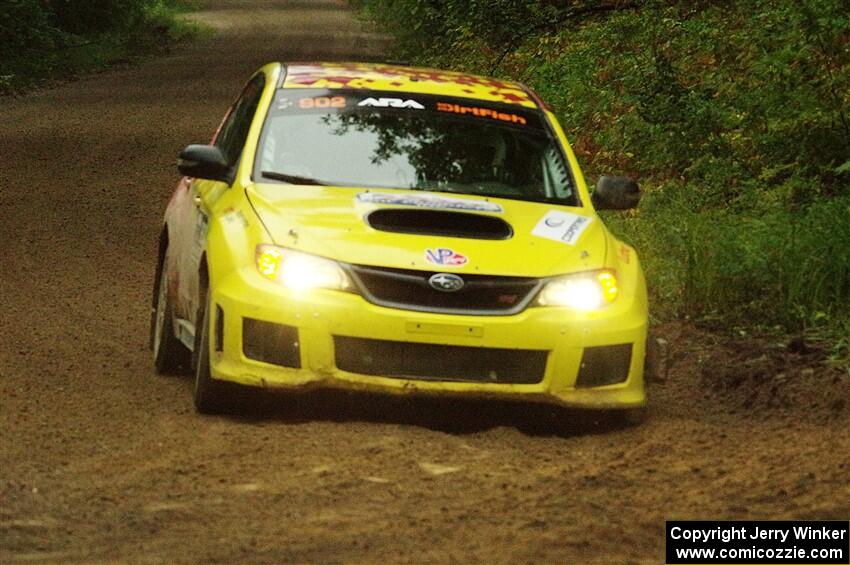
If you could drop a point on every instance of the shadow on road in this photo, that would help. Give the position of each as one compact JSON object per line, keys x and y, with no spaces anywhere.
{"x":448,"y":415}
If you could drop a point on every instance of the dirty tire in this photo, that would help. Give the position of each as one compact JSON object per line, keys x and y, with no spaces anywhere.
{"x":169,"y":354}
{"x":211,"y":396}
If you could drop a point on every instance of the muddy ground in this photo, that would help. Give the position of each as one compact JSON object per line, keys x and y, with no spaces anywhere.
{"x":103,"y":461}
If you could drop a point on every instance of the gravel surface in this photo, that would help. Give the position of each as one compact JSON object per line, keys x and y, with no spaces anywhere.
{"x":103,"y":461}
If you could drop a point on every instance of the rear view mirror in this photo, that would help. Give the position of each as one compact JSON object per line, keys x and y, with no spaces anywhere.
{"x":204,"y":162}
{"x":615,"y":193}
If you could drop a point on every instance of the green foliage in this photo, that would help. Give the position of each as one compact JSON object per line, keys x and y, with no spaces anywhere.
{"x":778,"y":267}
{"x":45,"y":37}
{"x":95,"y":16}
{"x":21,"y":43}
{"x":735,"y":116}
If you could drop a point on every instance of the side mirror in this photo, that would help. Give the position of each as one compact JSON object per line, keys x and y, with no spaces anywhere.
{"x":615,"y":193}
{"x":204,"y":162}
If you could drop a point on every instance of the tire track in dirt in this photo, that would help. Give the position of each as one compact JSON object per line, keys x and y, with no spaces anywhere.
{"x":100,"y":460}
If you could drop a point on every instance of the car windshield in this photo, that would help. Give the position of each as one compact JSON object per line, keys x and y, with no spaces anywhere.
{"x":416,"y":142}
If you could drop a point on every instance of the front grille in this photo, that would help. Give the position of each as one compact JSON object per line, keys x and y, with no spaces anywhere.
{"x":409,"y":290}
{"x":426,"y":361}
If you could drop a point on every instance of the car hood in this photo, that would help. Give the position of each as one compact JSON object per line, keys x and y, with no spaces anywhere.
{"x":332,"y":222}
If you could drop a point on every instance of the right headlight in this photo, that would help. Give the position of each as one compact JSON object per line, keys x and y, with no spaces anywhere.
{"x":586,"y":291}
{"x":299,"y":271}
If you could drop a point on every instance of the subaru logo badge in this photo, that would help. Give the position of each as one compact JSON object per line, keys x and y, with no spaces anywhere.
{"x":446,"y":282}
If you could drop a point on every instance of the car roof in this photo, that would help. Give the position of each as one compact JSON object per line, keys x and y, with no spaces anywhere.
{"x":404,"y":79}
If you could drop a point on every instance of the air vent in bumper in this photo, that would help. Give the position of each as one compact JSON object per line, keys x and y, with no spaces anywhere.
{"x":271,"y":343}
{"x":604,"y":365}
{"x":426,"y":361}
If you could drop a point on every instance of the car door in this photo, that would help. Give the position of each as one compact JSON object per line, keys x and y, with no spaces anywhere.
{"x":201,"y":195}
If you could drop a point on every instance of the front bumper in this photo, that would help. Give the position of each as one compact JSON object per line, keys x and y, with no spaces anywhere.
{"x":318,"y":319}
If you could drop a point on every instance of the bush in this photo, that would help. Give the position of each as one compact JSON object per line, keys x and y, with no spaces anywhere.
{"x":25,"y":31}
{"x":42,"y":37}
{"x":96,"y":16}
{"x":779,"y":268}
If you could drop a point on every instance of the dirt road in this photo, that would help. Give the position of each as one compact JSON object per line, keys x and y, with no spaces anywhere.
{"x":102,"y":461}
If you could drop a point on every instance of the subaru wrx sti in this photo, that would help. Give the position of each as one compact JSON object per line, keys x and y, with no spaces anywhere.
{"x":400,"y":230}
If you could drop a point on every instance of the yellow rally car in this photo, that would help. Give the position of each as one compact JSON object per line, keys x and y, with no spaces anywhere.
{"x":395,"y":229}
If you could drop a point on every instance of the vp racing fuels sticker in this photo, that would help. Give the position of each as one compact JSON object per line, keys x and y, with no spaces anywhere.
{"x":445,"y":257}
{"x":561,"y":226}
{"x":428,"y":201}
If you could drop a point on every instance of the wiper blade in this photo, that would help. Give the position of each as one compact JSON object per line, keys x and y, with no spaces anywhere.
{"x":508,"y":196}
{"x":292,"y":179}
{"x":520,"y":197}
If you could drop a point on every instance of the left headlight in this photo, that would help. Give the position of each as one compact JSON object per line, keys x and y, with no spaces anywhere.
{"x":582,"y":291}
{"x":300,"y":271}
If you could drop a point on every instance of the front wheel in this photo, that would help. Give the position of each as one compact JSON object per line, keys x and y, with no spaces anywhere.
{"x":211,"y":396}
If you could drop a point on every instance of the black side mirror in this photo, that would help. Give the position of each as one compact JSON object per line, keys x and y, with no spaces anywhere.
{"x":615,"y":193}
{"x":204,"y":162}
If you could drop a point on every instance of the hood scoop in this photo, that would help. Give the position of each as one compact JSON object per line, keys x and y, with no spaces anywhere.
{"x":440,"y":223}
